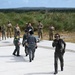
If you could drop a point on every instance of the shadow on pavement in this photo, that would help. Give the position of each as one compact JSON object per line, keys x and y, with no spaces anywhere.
{"x":13,"y":58}
{"x":41,"y":73}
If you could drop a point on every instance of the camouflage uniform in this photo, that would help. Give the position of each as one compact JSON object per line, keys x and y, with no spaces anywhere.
{"x":17,"y":31}
{"x":3,"y":30}
{"x":29,"y":26}
{"x":17,"y":45}
{"x":9,"y":30}
{"x":51,"y":32}
{"x":40,"y":30}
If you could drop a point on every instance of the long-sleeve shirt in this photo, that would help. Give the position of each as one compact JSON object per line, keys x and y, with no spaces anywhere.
{"x":58,"y":45}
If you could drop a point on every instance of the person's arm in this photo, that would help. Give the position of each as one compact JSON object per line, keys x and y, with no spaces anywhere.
{"x":14,"y":41}
{"x":24,"y":38}
{"x":19,"y":29}
{"x":64,"y":46}
{"x":54,"y":43}
{"x":35,"y":43}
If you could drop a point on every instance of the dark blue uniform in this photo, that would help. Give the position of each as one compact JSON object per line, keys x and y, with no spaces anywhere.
{"x":31,"y":41}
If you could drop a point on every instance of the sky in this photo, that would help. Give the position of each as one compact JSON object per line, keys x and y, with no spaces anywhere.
{"x":37,"y":3}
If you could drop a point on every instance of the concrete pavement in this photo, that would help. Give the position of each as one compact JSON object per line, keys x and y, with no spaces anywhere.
{"x":43,"y":63}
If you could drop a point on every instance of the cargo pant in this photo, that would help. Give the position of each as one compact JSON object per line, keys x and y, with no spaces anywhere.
{"x":9,"y":32}
{"x":31,"y":52}
{"x":50,"y":35}
{"x":40,"y":33}
{"x":4,"y":35}
{"x":56,"y":57}
{"x":17,"y":49}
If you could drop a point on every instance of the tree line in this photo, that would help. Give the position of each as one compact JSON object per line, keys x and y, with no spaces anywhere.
{"x":62,"y":21}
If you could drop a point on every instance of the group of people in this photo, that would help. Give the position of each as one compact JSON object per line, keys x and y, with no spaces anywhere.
{"x":6,"y":31}
{"x":30,"y":44}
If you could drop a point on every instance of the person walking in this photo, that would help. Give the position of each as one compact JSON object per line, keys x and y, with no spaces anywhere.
{"x":24,"y":41}
{"x":32,"y":45}
{"x":16,"y":42}
{"x":59,"y":45}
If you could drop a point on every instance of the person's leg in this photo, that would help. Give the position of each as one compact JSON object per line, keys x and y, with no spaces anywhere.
{"x":39,"y":34}
{"x":26,"y":50}
{"x":10,"y":34}
{"x":18,"y":49}
{"x":2,"y":36}
{"x":33,"y":53}
{"x":15,"y":50}
{"x":61,"y":61}
{"x":56,"y":63}
{"x":7,"y":33}
{"x":52,"y":36}
{"x":30,"y":54}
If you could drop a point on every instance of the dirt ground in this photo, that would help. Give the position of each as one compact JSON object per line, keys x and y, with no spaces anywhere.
{"x":66,"y":36}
